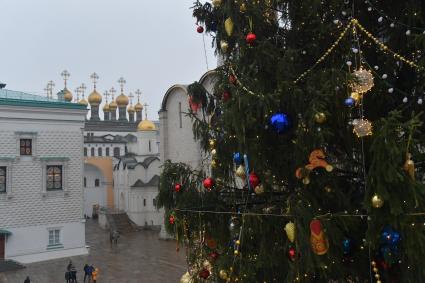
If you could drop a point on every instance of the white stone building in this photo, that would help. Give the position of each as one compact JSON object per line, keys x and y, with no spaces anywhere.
{"x":41,"y":166}
{"x":121,"y":171}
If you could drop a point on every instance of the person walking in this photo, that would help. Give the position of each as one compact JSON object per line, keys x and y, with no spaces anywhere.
{"x":87,"y":273}
{"x":95,"y":274}
{"x":27,"y":280}
{"x":73,"y":274}
{"x":68,"y":277}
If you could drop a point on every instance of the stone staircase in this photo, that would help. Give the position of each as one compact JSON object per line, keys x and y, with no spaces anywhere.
{"x":9,"y":265}
{"x":121,"y":222}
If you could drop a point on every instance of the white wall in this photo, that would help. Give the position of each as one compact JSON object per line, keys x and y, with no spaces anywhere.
{"x":92,"y":194}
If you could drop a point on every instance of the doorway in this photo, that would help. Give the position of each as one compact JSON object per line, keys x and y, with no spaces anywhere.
{"x":2,"y":246}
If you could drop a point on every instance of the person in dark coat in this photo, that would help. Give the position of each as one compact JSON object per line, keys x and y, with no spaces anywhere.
{"x":68,"y":277}
{"x":27,"y":280}
{"x":87,"y":273}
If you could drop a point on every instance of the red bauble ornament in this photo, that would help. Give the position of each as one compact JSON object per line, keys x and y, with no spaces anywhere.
{"x":194,"y":106}
{"x":214,"y":256}
{"x":172,"y":219}
{"x":200,"y":29}
{"x":292,"y":253}
{"x":232,"y":79}
{"x":204,"y":273}
{"x":226,"y":96}
{"x":251,"y":38}
{"x":253,"y":180}
{"x":208,"y":183}
{"x":177,"y":188}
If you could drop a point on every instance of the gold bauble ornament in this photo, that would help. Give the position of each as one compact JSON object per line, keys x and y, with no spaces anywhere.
{"x":207,"y":265}
{"x":240,"y":172}
{"x":224,"y":46}
{"x":290,"y":231}
{"x":186,"y":278}
{"x":216,"y":3}
{"x":228,"y":26}
{"x":223,"y":274}
{"x":377,"y":201}
{"x":320,"y":117}
{"x":214,"y":164}
{"x":212,"y":143}
{"x":213,"y":152}
{"x":409,"y":167}
{"x":356,"y":96}
{"x":259,"y":190}
{"x":242,"y":8}
{"x":362,"y":81}
{"x":236,"y":252}
{"x":362,"y":128}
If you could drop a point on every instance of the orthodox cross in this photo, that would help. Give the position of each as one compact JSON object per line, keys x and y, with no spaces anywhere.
{"x":121,"y":81}
{"x":146,"y":110}
{"x":83,"y":89}
{"x":94,"y":78}
{"x":50,"y":86}
{"x":106,"y":95}
{"x":65,"y":75}
{"x":112,"y":92}
{"x":46,"y":89}
{"x":138,"y":93}
{"x":78,"y":91}
{"x":131,"y":98}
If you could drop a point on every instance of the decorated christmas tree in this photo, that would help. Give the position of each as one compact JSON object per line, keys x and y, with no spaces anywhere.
{"x":314,"y":143}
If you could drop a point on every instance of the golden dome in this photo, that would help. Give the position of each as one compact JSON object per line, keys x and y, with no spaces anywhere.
{"x":138,"y":107}
{"x":130,"y":109}
{"x":83,"y":101}
{"x":122,"y":100}
{"x":106,"y":107}
{"x":95,"y":98}
{"x":67,"y":95}
{"x":146,"y":125}
{"x":113,"y":106}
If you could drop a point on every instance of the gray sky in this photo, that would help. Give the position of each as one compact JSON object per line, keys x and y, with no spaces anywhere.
{"x":152,"y":44}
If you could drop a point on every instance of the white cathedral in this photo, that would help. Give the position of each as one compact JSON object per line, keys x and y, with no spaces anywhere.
{"x":54,"y":161}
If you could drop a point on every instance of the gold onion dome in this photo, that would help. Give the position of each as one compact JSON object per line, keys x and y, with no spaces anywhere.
{"x":83,"y":101}
{"x":122,"y":100}
{"x":131,"y":109}
{"x":95,"y":98}
{"x":67,"y":95}
{"x":113,"y":105}
{"x":138,"y":107}
{"x":106,"y":107}
{"x":146,"y":125}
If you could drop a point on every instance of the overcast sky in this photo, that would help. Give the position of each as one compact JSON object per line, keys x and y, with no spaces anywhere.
{"x":152,"y":44}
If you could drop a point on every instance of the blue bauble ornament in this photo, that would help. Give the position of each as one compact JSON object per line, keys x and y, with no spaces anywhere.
{"x":237,"y":158}
{"x":280,"y":122}
{"x":349,"y":102}
{"x":346,"y":245}
{"x":390,"y":237}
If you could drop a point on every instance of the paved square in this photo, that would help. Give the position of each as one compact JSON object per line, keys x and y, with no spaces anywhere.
{"x":139,"y":258}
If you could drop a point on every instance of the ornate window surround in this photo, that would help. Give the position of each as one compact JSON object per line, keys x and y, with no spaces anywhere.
{"x":26,"y":135}
{"x":8,"y":163}
{"x":64,"y":162}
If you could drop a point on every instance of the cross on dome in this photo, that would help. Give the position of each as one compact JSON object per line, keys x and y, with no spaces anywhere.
{"x":106,"y":95}
{"x":146,"y":110}
{"x":112,"y":92}
{"x":94,"y":78}
{"x":50,"y":86}
{"x":65,"y":75}
{"x":138,"y":93}
{"x":131,"y":98}
{"x":83,"y":89}
{"x":122,"y":82}
{"x":78,"y":91}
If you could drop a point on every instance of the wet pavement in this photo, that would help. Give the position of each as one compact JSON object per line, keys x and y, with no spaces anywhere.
{"x":140,"y":257}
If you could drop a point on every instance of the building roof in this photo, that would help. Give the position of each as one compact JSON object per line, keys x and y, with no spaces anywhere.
{"x":154,"y":182}
{"x":110,"y":126}
{"x":18,"y":98}
{"x":130,"y":162}
{"x":110,"y":139}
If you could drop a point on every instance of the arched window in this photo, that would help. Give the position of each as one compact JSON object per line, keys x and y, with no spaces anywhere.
{"x":116,"y":152}
{"x":92,"y":151}
{"x":99,"y":151}
{"x":85,"y":182}
{"x":85,"y":151}
{"x":107,"y":151}
{"x":144,"y":202}
{"x":96,"y":183}
{"x":150,"y":147}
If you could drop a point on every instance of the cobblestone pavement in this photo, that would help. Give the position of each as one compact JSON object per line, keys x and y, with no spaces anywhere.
{"x":139,"y":258}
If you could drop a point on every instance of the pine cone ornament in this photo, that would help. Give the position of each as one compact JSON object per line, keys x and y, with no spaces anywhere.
{"x":290,"y":231}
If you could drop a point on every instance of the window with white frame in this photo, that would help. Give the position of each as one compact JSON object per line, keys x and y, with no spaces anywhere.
{"x":54,"y":177}
{"x":54,"y":237}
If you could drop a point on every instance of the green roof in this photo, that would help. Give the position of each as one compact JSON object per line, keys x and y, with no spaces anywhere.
{"x":5,"y":232}
{"x":11,"y":97}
